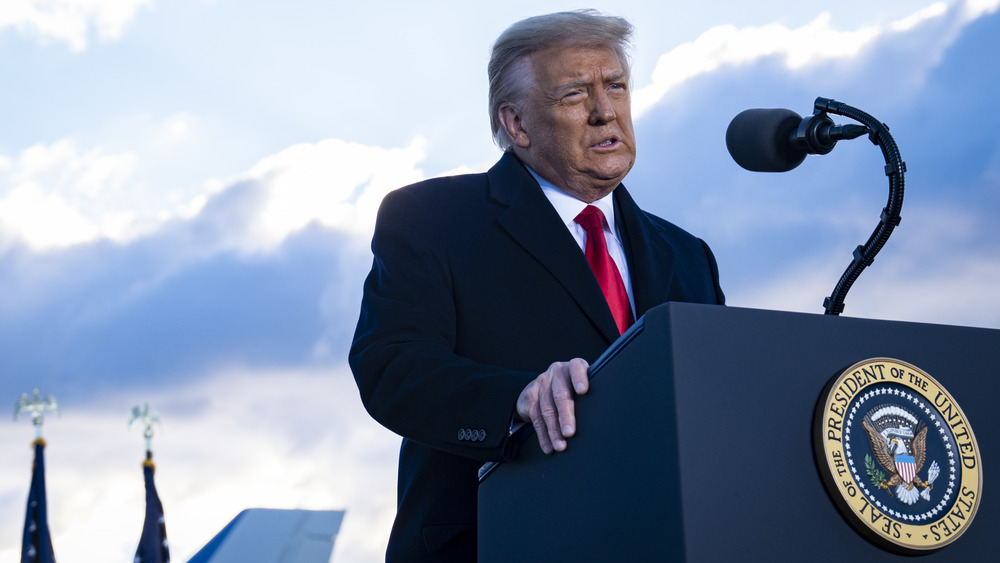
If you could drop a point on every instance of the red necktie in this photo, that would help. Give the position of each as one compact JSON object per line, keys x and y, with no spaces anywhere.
{"x":605,"y":270}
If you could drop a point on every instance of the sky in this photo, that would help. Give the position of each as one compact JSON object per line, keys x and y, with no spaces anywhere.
{"x":188,"y":190}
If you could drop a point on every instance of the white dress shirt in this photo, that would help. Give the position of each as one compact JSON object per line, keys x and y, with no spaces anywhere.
{"x":568,"y":207}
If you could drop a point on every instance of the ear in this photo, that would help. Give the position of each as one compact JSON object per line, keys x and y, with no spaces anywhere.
{"x":510,"y":120}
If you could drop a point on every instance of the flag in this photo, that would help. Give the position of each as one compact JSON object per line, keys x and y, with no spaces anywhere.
{"x":153,"y":542}
{"x":36,"y":547}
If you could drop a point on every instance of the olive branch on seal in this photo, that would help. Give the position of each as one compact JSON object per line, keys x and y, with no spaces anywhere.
{"x":875,"y":474}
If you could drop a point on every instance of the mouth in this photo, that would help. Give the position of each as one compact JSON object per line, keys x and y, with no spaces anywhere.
{"x":606,"y":143}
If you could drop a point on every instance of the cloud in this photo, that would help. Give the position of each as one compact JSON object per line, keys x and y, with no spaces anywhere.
{"x":977,"y":8}
{"x":70,"y":21}
{"x":266,"y":270}
{"x":909,"y":22}
{"x":57,"y":195}
{"x":729,"y":45}
{"x":334,"y":183}
{"x":814,"y":43}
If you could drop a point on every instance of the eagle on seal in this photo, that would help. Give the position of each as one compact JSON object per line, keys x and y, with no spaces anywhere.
{"x":902,"y":462}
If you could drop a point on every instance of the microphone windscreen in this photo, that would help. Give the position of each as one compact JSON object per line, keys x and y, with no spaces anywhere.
{"x":759,"y":140}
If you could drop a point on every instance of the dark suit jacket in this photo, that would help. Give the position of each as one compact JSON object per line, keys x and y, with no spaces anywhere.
{"x":476,"y":288}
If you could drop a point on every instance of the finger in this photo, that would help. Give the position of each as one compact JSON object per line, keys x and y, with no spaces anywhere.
{"x":550,"y":414}
{"x":529,"y":411}
{"x":543,"y":435}
{"x":580,"y":375}
{"x":562,"y":396}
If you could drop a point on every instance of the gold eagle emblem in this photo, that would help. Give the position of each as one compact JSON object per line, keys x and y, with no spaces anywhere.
{"x":899,"y":442}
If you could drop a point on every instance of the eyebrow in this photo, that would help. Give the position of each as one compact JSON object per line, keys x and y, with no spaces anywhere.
{"x":616,"y":76}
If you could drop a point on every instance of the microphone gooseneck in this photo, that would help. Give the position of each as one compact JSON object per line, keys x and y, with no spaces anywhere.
{"x":895,"y":168}
{"x":778,"y":140}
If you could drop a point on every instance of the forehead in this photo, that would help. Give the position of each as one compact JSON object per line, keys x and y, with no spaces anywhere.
{"x":558,"y":65}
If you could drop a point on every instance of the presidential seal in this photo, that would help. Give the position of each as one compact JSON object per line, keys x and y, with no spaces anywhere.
{"x":898,"y":456}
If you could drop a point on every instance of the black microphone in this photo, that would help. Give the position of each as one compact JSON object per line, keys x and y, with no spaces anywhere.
{"x":778,"y":140}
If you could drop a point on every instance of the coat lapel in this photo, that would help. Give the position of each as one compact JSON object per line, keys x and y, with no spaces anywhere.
{"x":650,"y":257}
{"x":534,"y":224}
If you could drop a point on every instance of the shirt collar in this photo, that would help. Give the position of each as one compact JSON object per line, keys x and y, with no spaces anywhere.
{"x":568,"y":207}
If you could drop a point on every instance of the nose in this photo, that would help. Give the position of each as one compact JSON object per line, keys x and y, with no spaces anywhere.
{"x":603,"y":110}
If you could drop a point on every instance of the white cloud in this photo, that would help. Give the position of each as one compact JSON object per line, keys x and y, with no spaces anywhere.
{"x":814,"y":42}
{"x":333,"y":182}
{"x":51,"y":195}
{"x":69,"y":21}
{"x":930,"y":12}
{"x":976,"y":8}
{"x":58,"y":195}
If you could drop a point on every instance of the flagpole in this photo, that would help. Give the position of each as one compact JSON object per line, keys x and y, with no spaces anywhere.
{"x":36,"y":544}
{"x":153,"y":547}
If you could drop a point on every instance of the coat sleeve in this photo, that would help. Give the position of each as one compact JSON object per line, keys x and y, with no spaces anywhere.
{"x":713,"y":269}
{"x":402,"y":356}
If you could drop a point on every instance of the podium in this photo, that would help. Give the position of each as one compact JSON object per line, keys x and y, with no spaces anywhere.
{"x":695,"y":443}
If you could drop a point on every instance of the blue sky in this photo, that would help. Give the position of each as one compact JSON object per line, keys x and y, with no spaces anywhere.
{"x":187,"y":191}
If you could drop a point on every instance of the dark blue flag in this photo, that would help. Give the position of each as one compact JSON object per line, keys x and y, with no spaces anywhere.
{"x":153,"y":542}
{"x":36,"y":547}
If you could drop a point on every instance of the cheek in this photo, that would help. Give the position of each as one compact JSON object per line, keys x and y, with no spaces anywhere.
{"x":624,"y":124}
{"x":561,"y":139}
{"x":624,"y":113}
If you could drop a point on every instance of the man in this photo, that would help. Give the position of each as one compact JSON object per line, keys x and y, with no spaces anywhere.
{"x":481,"y":309}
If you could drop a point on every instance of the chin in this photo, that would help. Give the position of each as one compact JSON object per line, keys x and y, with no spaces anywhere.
{"x":614,"y":173}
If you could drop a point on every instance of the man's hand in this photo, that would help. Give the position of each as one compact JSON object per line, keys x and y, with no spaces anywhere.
{"x":547,"y":402}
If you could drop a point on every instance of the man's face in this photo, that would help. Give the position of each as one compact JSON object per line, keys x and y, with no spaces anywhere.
{"x":575,"y":125}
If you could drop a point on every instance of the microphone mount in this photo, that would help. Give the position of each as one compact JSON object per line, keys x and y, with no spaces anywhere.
{"x":818,"y":132}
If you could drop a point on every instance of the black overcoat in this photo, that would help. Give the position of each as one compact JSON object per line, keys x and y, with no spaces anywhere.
{"x":477,"y":287}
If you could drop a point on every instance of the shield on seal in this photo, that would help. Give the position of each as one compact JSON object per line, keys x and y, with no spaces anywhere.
{"x":907,"y":467}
